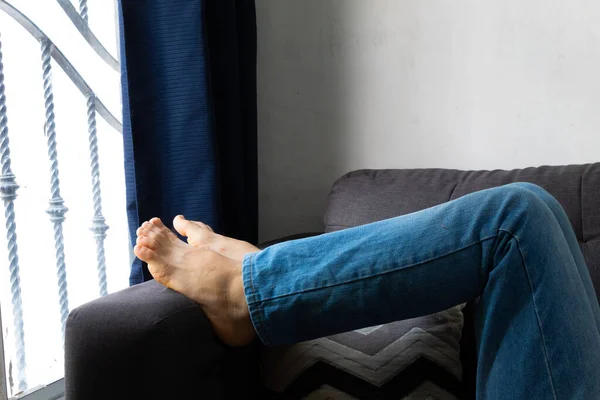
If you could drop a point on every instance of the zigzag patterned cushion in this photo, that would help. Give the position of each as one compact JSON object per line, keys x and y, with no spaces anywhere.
{"x":413,"y":359}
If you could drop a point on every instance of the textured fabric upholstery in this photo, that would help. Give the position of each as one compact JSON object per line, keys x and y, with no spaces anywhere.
{"x":150,"y":342}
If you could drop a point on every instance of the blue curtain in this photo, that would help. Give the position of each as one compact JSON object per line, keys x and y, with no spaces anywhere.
{"x":189,"y":114}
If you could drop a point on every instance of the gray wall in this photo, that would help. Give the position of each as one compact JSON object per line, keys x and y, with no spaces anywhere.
{"x":348,"y":84}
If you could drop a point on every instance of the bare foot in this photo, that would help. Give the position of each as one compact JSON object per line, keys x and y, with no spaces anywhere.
{"x":199,"y":234}
{"x":210,"y":279}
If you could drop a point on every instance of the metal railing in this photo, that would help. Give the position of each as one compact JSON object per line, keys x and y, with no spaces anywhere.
{"x":57,"y":210}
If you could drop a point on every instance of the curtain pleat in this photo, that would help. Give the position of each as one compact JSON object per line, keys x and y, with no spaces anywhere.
{"x":231,"y":43}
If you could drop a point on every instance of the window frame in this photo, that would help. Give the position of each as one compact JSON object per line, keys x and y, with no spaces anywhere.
{"x":53,"y":391}
{"x":3,"y":386}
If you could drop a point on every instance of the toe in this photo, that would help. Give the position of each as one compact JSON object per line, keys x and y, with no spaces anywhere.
{"x":181,"y":225}
{"x":145,"y":254}
{"x":141,"y":231}
{"x":155,"y":231}
{"x":189,"y":228}
{"x":158,"y":231}
{"x":156,"y":221}
{"x":203,"y":225}
{"x":147,"y":242}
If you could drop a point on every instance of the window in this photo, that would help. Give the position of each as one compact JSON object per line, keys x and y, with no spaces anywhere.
{"x":64,"y":238}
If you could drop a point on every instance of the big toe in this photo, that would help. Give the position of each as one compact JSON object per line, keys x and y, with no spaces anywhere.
{"x":191,"y":229}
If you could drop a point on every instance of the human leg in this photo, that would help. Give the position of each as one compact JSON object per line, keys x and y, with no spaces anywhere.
{"x":536,"y":334}
{"x":536,"y":329}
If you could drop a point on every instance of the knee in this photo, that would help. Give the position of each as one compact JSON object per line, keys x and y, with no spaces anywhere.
{"x":524,"y":189}
{"x":526,"y":205}
{"x":538,"y":191}
{"x":527,"y":196}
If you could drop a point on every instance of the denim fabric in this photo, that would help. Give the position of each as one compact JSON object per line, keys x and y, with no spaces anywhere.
{"x":537,"y":318}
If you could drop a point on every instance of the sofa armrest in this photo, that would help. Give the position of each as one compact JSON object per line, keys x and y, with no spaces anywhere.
{"x":288,"y":238}
{"x":150,"y":342}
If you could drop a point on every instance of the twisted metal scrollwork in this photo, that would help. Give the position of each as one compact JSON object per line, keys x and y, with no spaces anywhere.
{"x":83,"y":10}
{"x":57,"y":209}
{"x":99,"y":226}
{"x":8,"y":193}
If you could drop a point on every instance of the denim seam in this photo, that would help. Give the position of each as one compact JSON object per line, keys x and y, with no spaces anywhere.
{"x":378,"y":274}
{"x":537,"y":315}
{"x":558,"y":210}
{"x":257,"y":304}
{"x":252,"y":276}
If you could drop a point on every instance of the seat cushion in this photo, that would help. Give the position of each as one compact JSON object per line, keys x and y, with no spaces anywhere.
{"x":387,"y":361}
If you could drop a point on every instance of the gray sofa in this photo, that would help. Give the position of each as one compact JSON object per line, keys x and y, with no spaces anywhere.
{"x":149,"y":342}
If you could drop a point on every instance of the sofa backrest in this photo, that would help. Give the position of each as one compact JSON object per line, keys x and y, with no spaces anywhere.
{"x":365,"y":196}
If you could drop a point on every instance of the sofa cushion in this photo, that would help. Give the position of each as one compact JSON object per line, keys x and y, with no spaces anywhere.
{"x":386,"y":361}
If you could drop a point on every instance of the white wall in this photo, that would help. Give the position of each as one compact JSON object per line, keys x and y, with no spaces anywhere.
{"x":348,"y":84}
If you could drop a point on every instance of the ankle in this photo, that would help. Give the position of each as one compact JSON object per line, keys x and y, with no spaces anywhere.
{"x":236,"y":298}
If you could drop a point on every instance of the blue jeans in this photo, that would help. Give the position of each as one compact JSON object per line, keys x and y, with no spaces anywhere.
{"x":537,"y":320}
